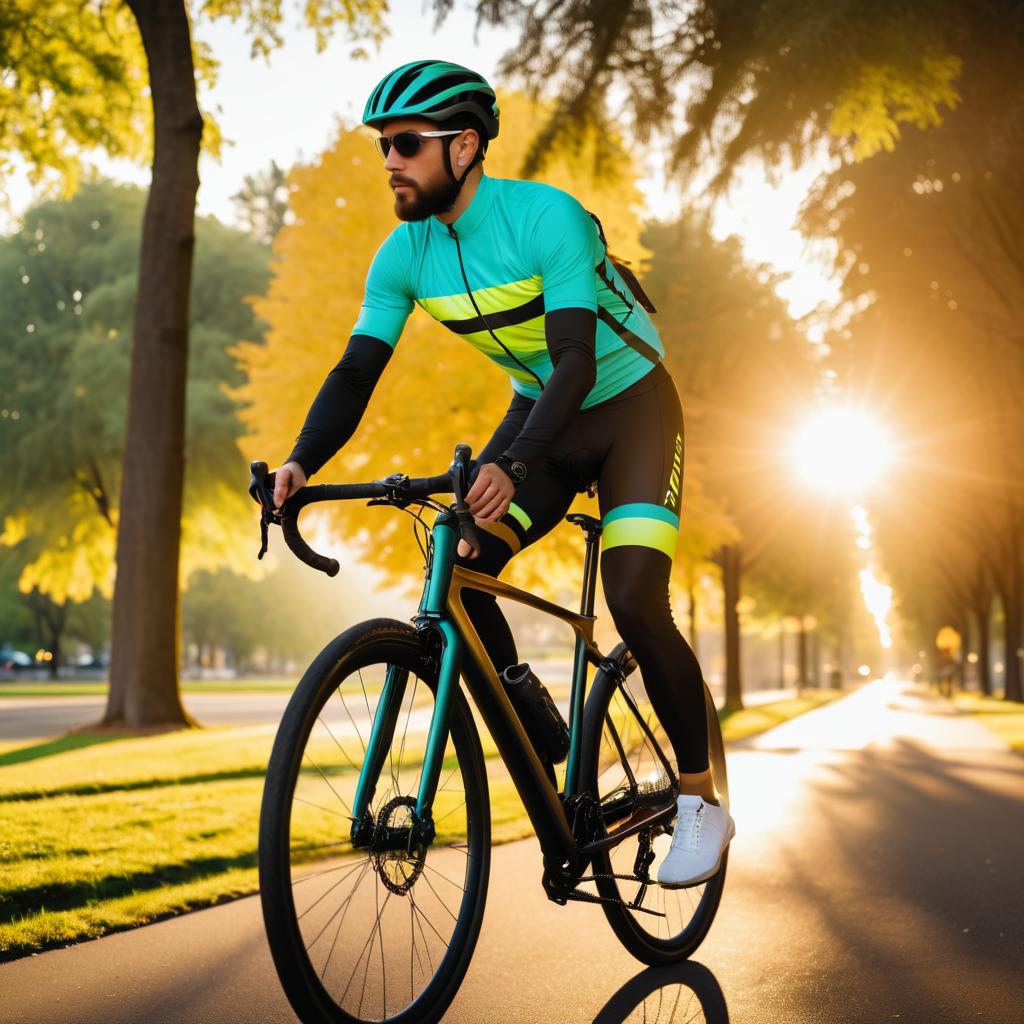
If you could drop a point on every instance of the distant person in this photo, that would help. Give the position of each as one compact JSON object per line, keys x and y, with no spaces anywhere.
{"x":522,"y":272}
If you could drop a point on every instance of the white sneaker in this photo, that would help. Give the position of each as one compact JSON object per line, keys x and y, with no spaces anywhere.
{"x":702,"y":833}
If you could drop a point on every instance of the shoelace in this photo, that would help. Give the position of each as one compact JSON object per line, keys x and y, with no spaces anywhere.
{"x":688,"y":830}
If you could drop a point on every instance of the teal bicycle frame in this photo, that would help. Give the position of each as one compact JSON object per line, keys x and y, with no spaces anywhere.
{"x":462,"y":653}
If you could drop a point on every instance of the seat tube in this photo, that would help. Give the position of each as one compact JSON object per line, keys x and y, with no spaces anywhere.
{"x":577,"y":694}
{"x":576,"y":699}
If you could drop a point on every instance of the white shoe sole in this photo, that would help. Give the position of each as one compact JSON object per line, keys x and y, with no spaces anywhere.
{"x":701,"y":879}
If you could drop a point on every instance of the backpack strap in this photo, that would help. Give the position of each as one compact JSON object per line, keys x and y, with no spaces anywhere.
{"x":622,"y":268}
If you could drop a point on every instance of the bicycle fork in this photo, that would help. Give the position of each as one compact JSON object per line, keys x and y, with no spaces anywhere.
{"x":385,"y":717}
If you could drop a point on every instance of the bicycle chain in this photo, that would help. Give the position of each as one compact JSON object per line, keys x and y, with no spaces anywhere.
{"x":579,"y":896}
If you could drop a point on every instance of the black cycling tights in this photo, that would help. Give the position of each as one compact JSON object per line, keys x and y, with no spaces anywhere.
{"x":632,"y":446}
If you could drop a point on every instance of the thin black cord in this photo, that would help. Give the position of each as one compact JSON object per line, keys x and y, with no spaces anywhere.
{"x":469,"y":292}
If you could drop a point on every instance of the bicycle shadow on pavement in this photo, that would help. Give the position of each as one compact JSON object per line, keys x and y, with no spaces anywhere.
{"x":686,"y":992}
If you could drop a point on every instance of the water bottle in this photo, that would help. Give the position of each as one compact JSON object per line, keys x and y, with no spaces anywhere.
{"x":536,"y":710}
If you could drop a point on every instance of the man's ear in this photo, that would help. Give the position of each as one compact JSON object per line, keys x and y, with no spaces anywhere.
{"x":468,"y":145}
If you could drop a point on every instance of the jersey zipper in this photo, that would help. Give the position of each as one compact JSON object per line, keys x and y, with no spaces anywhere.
{"x":469,"y":291}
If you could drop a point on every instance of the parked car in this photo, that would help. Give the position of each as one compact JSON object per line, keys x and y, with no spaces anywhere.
{"x":14,"y":661}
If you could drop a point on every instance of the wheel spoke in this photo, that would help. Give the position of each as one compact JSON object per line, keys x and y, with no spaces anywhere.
{"x":330,"y":785}
{"x":325,"y":893}
{"x":344,"y":752}
{"x":348,"y":711}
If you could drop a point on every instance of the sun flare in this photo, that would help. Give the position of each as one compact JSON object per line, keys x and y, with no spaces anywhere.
{"x":841,"y":450}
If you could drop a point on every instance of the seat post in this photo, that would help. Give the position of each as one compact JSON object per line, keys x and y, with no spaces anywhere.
{"x":592,"y":528}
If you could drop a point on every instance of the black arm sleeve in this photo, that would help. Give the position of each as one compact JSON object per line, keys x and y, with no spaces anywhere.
{"x":570,"y":337}
{"x":506,"y":431}
{"x":339,"y":405}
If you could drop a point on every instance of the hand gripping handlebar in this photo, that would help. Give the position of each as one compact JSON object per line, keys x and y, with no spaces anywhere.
{"x":397,"y":489}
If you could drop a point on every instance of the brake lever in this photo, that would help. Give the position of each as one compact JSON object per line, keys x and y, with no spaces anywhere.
{"x":460,"y":475}
{"x":261,"y":489}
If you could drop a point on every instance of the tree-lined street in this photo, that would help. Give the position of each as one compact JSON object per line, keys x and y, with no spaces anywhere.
{"x":873,"y":878}
{"x":820,"y":207}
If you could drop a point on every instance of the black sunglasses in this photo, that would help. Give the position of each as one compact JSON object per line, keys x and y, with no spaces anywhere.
{"x":408,"y":143}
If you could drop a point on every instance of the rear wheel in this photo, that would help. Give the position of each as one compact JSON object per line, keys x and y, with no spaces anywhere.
{"x":624,"y":754}
{"x":382,"y":930}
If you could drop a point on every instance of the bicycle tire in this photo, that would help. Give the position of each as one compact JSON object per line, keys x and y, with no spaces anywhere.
{"x":298,"y":809}
{"x":688,"y":912}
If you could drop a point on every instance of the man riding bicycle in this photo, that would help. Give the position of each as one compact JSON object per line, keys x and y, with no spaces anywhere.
{"x":521,"y":271}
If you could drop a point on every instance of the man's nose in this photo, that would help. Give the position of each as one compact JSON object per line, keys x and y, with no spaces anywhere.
{"x":393,"y":161}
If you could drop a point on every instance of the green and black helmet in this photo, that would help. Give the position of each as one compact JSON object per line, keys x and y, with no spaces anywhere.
{"x":434,"y":89}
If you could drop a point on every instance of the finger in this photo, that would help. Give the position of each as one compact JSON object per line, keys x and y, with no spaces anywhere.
{"x":474,"y":493}
{"x":465,"y":551}
{"x":282,"y":486}
{"x":495,"y":509}
{"x":482,"y":500}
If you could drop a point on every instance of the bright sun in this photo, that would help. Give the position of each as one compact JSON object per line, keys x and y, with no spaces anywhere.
{"x":841,"y":450}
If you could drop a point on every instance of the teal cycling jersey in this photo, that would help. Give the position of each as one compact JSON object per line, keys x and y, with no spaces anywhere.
{"x":523,"y":249}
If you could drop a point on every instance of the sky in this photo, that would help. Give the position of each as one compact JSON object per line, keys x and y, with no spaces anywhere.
{"x":286,"y":110}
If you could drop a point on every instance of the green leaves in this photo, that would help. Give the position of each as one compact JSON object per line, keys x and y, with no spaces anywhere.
{"x":870,"y":110}
{"x":71,"y":275}
{"x":74,"y":79}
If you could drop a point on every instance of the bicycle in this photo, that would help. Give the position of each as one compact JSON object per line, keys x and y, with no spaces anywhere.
{"x":374,"y":837}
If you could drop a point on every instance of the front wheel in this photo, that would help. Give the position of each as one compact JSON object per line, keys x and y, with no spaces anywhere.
{"x":383,"y":929}
{"x":625,"y":751}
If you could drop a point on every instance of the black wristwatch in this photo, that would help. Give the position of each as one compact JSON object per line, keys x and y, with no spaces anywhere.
{"x":514,"y":470}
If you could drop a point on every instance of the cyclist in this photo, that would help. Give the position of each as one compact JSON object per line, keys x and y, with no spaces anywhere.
{"x":521,"y":271}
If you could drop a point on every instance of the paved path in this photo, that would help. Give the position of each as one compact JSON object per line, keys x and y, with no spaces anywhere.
{"x":29,"y":718}
{"x":877,"y":875}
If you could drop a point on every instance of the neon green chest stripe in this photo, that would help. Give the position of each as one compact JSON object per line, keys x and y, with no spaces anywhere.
{"x":495,"y":299}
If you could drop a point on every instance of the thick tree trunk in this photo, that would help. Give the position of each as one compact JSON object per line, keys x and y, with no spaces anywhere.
{"x":959,"y":680}
{"x":816,"y":658}
{"x":730,"y":562}
{"x":782,"y":653}
{"x":144,"y":649}
{"x":1011,"y":597}
{"x":801,"y":680}
{"x":981,"y":615}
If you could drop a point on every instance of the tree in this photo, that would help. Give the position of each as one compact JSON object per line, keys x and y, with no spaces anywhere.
{"x":73,"y":81}
{"x":49,"y":96}
{"x":928,"y":243}
{"x":67,"y":284}
{"x":262,"y":203}
{"x":775,"y":79}
{"x":268,"y":622}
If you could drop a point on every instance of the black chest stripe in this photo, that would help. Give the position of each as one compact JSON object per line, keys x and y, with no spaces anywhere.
{"x":501,"y":318}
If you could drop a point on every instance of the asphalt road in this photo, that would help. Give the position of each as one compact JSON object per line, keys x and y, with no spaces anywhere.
{"x":29,"y":718}
{"x":877,"y":875}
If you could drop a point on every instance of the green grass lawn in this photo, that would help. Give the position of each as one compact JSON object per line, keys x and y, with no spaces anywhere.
{"x":738,"y":725}
{"x":1004,"y":718}
{"x":100,"y":833}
